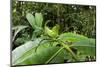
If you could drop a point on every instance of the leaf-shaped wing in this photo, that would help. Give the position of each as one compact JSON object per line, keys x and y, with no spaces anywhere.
{"x":55,"y":29}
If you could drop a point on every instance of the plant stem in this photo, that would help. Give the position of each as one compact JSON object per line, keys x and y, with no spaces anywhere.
{"x":54,"y":55}
{"x":68,"y":49}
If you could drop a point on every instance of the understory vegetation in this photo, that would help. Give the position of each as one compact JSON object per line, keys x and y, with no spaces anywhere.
{"x":48,"y":33}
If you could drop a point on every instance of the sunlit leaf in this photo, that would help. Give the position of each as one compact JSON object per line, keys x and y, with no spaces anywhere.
{"x":55,"y":29}
{"x":31,"y":20}
{"x":71,"y":37}
{"x":38,"y":19}
{"x":85,"y":47}
{"x":23,"y":50}
{"x":49,"y":32}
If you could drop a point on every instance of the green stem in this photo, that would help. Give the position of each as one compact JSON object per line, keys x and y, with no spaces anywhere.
{"x":68,"y":48}
{"x":54,"y":55}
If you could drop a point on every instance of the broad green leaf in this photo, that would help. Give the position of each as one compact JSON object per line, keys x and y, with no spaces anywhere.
{"x":27,"y":55}
{"x":23,"y":50}
{"x":85,"y":47}
{"x":38,"y":19}
{"x":39,"y":57}
{"x":71,"y":37}
{"x":17,"y":30}
{"x":31,"y":20}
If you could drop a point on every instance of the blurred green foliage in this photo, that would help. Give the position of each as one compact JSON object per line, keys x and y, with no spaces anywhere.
{"x":35,"y":24}
{"x":79,"y":19}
